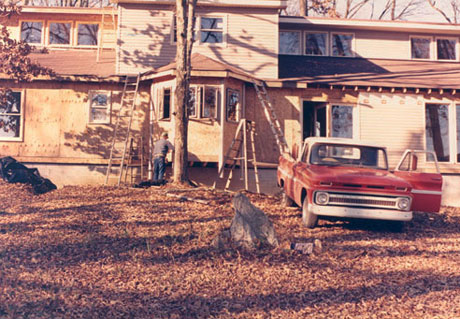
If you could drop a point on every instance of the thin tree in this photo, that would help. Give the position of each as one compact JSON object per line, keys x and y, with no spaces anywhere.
{"x":185,"y":22}
{"x":454,"y":8}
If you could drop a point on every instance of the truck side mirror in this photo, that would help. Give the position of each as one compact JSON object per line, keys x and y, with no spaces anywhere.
{"x":295,"y":151}
{"x":414,"y":162}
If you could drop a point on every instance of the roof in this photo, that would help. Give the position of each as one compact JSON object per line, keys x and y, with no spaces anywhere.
{"x":363,"y":24}
{"x":77,"y":62}
{"x":370,"y":72}
{"x":205,"y":66}
{"x":344,"y":141}
{"x":68,"y":10}
{"x":276,"y":4}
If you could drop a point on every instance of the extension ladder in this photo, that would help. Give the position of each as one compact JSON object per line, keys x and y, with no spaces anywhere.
{"x":238,"y":152}
{"x":270,"y":114}
{"x":122,"y":129}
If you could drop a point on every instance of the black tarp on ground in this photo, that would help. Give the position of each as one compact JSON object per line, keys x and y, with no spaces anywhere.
{"x":14,"y":172}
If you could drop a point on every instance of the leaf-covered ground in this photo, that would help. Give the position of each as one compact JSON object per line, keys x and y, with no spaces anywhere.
{"x":104,"y":252}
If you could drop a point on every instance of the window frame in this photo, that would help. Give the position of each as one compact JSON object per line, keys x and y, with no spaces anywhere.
{"x":436,"y":48}
{"x":20,"y":138}
{"x":328,"y":47}
{"x":42,"y":37}
{"x":197,"y":101}
{"x":161,"y":95}
{"x":173,"y":30}
{"x":238,"y":111}
{"x":91,"y":94}
{"x":224,"y":30}
{"x":299,"y":32}
{"x":75,"y":31}
{"x":71,"y":33}
{"x":202,"y":101}
{"x":432,"y":44}
{"x":331,"y":42}
{"x":452,"y":129}
{"x":354,"y":120}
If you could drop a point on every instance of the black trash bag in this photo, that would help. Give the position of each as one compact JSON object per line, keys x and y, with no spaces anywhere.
{"x":14,"y":172}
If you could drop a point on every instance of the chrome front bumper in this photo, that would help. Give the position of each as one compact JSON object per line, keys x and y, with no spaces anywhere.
{"x":365,"y":213}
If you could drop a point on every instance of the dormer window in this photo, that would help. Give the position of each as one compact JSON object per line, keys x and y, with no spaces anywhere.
{"x":87,"y":34}
{"x":31,"y":32}
{"x":59,"y":33}
{"x":446,"y":48}
{"x":342,"y":45}
{"x":316,"y":44}
{"x":420,"y":47}
{"x":289,"y":42}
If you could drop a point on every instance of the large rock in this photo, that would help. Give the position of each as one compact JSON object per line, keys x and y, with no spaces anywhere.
{"x":250,"y":228}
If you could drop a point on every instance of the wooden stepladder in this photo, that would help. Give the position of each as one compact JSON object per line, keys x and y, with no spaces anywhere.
{"x":122,"y":130}
{"x":270,"y":114}
{"x":240,"y":151}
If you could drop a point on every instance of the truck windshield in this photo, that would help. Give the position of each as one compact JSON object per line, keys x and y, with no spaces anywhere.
{"x":348,"y":155}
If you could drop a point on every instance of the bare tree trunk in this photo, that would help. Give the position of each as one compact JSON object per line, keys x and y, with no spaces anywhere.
{"x":303,"y":8}
{"x":185,"y":21}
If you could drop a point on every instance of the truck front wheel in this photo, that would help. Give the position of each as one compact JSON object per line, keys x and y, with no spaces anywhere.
{"x":309,"y":219}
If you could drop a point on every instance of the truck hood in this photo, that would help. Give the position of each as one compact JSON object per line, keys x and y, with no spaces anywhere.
{"x":356,"y":177}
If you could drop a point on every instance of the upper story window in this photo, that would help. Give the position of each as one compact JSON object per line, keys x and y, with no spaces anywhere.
{"x":31,"y":32}
{"x":211,"y":30}
{"x":59,"y":33}
{"x":87,"y":34}
{"x":289,"y":42}
{"x":11,"y":118}
{"x":316,"y":43}
{"x":446,"y":48}
{"x":56,"y":33}
{"x":342,"y":44}
{"x":420,"y":47}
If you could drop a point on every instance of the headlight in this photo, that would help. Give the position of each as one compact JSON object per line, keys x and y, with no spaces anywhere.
{"x":322,"y":198}
{"x":403,"y":203}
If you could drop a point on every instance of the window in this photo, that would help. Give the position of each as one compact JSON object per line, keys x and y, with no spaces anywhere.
{"x":233,"y":105}
{"x":289,"y":42}
{"x":210,"y":102}
{"x":446,"y":49}
{"x":316,"y":43}
{"x":165,"y":104}
{"x":420,"y":48}
{"x":99,"y":107}
{"x":211,"y":30}
{"x":342,"y":121}
{"x":31,"y":32}
{"x":11,"y":116}
{"x":437,"y":130}
{"x":192,"y":102}
{"x":87,"y":34}
{"x":59,"y":33}
{"x":342,"y":45}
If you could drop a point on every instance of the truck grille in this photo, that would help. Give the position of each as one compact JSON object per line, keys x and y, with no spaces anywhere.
{"x":362,"y":200}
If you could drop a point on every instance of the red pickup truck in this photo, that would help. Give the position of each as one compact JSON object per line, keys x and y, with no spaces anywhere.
{"x":345,"y":178}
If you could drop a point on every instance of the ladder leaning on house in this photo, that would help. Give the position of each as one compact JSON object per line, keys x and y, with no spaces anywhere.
{"x":104,"y":27}
{"x":122,"y":130}
{"x":270,"y":114}
{"x":239,"y":145}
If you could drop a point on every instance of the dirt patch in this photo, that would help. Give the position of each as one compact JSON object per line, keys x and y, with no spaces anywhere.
{"x":105,"y":252}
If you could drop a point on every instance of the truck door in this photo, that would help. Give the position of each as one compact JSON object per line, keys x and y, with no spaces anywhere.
{"x":426,"y":181}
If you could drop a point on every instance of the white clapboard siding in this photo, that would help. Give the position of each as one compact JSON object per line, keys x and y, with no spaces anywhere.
{"x":252,"y":41}
{"x":393,"y":120}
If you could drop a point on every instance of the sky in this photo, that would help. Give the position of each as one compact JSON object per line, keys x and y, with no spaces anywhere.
{"x":422,"y":12}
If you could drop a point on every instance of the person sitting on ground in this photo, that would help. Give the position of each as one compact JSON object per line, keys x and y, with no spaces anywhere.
{"x":160,"y":150}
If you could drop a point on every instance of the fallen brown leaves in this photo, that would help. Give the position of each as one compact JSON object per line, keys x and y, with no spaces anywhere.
{"x":104,"y":252}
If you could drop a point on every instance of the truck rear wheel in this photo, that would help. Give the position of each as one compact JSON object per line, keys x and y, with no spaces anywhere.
{"x":309,"y":219}
{"x":286,"y":201}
